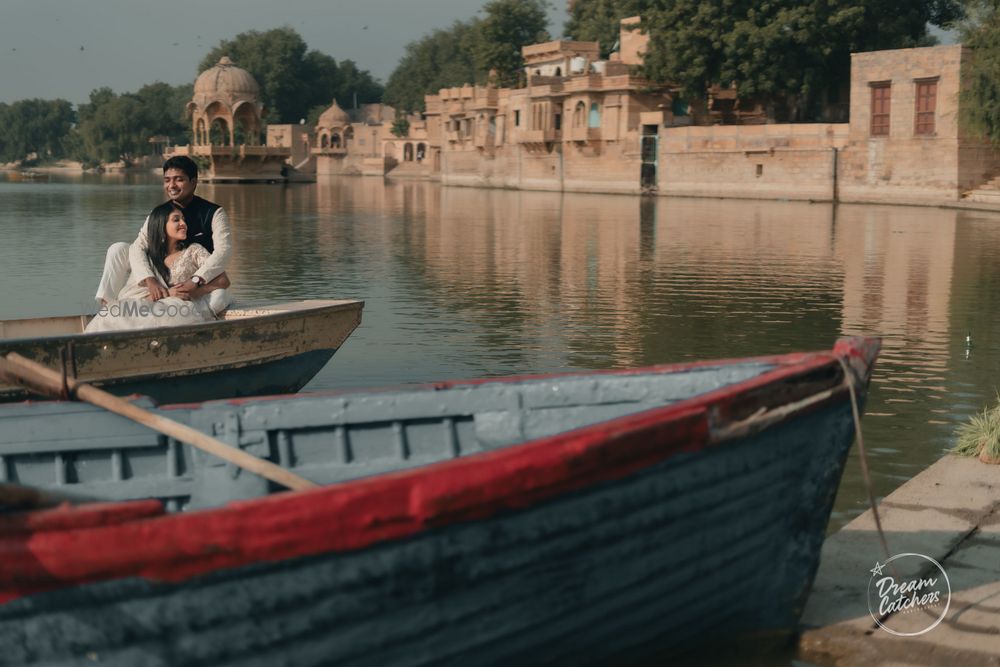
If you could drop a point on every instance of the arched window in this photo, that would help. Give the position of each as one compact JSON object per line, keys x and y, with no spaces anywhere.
{"x":579,"y":114}
{"x":323,"y":141}
{"x":219,"y":132}
{"x":408,"y":152}
{"x":595,"y":115}
{"x":335,"y":140}
{"x":421,"y":152}
{"x":559,"y":71}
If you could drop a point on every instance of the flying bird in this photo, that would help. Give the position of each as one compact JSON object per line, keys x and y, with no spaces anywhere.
{"x":81,"y":48}
{"x":365,"y":28}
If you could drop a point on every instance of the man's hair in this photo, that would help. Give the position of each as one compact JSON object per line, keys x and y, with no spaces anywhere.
{"x":184,"y":163}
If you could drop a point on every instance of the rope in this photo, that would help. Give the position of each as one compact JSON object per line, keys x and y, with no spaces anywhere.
{"x":863,"y":456}
{"x":64,"y":391}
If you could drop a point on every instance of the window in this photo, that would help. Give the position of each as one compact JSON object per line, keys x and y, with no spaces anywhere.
{"x":881,"y":93}
{"x":926,"y":103}
{"x":595,"y":115}
{"x":557,"y":124}
{"x":517,"y":118}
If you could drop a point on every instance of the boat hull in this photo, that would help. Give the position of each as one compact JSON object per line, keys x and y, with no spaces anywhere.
{"x":268,"y":351}
{"x":631,"y":537}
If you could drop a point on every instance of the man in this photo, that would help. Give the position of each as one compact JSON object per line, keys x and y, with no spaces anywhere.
{"x":207,"y":224}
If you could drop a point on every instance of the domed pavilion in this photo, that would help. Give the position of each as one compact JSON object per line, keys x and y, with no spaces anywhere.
{"x":226,"y":120}
{"x":333,"y":129}
{"x":226,"y":109}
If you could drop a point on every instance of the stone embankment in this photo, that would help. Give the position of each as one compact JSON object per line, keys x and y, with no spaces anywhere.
{"x":951,"y":513}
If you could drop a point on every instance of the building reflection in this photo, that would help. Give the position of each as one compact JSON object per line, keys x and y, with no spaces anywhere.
{"x":606,"y":280}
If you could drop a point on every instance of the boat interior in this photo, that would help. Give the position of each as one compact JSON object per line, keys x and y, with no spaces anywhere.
{"x":39,"y":327}
{"x":83,"y":451}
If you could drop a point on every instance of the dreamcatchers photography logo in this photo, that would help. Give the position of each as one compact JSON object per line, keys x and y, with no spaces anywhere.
{"x":909,"y":594}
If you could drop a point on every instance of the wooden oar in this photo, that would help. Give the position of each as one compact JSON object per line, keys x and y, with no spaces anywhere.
{"x":47,"y":382}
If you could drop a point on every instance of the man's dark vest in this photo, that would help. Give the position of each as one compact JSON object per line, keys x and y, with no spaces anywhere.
{"x":198,"y":215}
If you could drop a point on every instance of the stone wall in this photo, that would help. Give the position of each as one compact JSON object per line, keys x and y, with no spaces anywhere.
{"x":606,"y":167}
{"x":751,"y":161}
{"x":349,"y":165}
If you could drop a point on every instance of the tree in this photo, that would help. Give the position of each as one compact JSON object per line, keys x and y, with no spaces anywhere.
{"x":293,"y":79}
{"x":507,"y":26}
{"x":782,"y":52}
{"x":355,"y":85}
{"x":442,"y":59}
{"x":400,"y":126}
{"x":600,"y":20}
{"x":115,"y":127}
{"x":34,"y":128}
{"x":980,"y":99}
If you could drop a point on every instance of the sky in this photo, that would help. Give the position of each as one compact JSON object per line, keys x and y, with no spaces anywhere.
{"x":65,"y":48}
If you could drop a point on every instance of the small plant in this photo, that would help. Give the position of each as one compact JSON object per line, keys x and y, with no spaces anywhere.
{"x":400,"y":127}
{"x":980,"y":436}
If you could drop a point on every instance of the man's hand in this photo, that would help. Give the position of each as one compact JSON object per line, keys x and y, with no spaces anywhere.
{"x":156,"y":290}
{"x":186,"y":290}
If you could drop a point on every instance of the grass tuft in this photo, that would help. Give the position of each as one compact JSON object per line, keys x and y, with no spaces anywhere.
{"x":980,"y":436}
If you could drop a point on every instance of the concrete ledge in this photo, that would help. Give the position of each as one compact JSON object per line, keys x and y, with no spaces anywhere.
{"x":951,"y":513}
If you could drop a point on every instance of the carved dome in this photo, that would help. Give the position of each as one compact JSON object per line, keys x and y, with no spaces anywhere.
{"x":334,"y":117}
{"x":225,"y":78}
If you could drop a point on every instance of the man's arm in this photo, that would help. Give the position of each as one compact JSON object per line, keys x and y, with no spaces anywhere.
{"x":187,"y":293}
{"x":222,"y":240}
{"x":137,"y":259}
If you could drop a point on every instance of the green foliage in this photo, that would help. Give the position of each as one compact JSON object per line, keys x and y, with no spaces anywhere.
{"x":467,"y":51}
{"x":980,"y":436}
{"x":118,"y":127}
{"x":507,"y":26}
{"x":781,"y":52}
{"x":442,"y":59}
{"x":355,"y":86}
{"x":292,"y":78}
{"x":599,"y":20}
{"x":400,"y":126}
{"x":980,"y":99}
{"x":34,"y":127}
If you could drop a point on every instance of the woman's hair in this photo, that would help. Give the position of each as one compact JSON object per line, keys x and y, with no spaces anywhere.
{"x":157,"y":243}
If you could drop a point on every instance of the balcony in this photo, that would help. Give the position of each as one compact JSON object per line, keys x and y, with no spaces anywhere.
{"x":582,"y":134}
{"x":487,"y":99}
{"x":452,"y":136}
{"x":485,"y":140}
{"x":334,"y":151}
{"x":539,"y":136}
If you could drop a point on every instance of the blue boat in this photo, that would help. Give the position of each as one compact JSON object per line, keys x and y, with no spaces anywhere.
{"x":272,"y":349}
{"x":581,"y":518}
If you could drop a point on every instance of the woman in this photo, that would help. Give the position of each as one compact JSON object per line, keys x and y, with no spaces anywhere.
{"x":174,"y":262}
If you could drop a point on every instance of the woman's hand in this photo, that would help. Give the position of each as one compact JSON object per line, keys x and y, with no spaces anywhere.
{"x":183,"y":291}
{"x":156,"y":290}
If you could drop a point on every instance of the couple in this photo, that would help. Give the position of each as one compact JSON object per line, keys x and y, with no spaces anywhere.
{"x":174,"y":272}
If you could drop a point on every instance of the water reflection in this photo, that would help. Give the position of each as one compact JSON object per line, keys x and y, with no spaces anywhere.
{"x":465,"y":282}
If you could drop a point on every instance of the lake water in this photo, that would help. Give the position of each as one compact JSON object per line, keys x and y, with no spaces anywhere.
{"x":463,"y":282}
